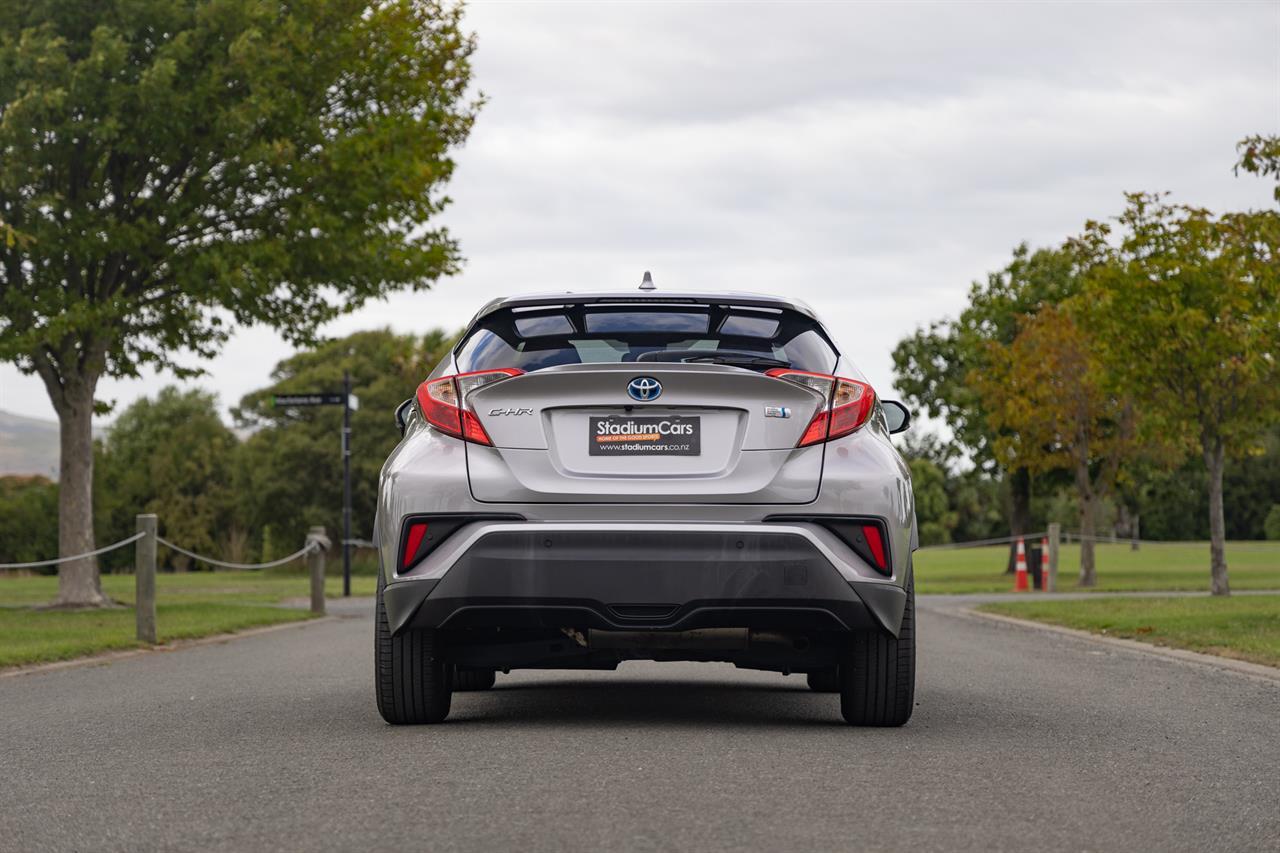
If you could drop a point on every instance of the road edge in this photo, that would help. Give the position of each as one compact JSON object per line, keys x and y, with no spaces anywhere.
{"x":105,"y":658}
{"x":1257,"y":671}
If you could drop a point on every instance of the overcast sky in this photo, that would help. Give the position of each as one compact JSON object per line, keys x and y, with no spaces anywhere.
{"x":871,"y":159}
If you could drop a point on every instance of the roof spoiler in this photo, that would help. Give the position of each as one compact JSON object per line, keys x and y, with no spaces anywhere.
{"x":745,"y":300}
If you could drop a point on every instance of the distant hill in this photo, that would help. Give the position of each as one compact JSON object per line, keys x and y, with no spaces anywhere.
{"x":28,"y":446}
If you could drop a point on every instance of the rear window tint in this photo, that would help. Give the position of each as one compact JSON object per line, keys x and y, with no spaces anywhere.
{"x":749,"y":326}
{"x":639,"y":322}
{"x":532,"y":327}
{"x":589,"y":335}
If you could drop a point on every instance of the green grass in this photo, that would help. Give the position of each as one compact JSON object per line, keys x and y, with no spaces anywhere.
{"x":196,"y":604}
{"x":36,"y":636}
{"x":1242,"y":627}
{"x":1155,"y":567}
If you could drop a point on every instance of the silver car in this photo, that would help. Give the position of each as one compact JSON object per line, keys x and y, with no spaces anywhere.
{"x":590,"y":478}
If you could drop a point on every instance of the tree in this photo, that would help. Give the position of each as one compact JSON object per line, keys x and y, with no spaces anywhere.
{"x":969,"y":508}
{"x":934,"y":517}
{"x":1260,"y":155}
{"x":933,"y":367}
{"x":289,"y":474}
{"x":174,"y":168}
{"x":1172,"y":498}
{"x":1049,"y":406}
{"x":172,"y":456}
{"x":27,"y":507}
{"x":1273,"y":523}
{"x":929,"y":459}
{"x":1185,"y":309}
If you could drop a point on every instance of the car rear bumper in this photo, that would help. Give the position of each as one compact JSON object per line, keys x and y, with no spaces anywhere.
{"x":644,"y":576}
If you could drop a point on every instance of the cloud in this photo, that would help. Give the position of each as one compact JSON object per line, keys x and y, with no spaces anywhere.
{"x":871,"y":159}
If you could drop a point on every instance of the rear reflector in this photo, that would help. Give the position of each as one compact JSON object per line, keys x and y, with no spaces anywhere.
{"x":849,"y":404}
{"x":413,"y":541}
{"x":875,"y":546}
{"x":867,"y":536}
{"x":422,"y":534}
{"x":444,"y":402}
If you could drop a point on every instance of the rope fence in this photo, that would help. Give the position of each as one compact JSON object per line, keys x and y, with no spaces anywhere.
{"x":145,"y":542}
{"x":317,"y":543}
{"x":1072,"y":536}
{"x":40,"y":563}
{"x":982,"y":543}
{"x":301,"y":552}
{"x":1069,"y":536}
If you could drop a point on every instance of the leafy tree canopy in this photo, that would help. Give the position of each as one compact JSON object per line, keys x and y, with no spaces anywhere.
{"x":1260,"y":155}
{"x":290,"y":472}
{"x":1184,"y":307}
{"x":172,"y":456}
{"x":175,"y":166}
{"x":1048,"y":400}
{"x":932,"y":368}
{"x":28,"y":506}
{"x":1051,"y":407}
{"x":934,"y":518}
{"x":169,"y":168}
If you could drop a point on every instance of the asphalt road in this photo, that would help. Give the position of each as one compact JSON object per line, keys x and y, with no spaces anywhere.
{"x":1020,"y":740}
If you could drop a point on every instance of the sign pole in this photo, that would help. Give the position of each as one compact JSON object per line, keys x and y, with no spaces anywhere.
{"x":348,"y":402}
{"x":346,"y":483}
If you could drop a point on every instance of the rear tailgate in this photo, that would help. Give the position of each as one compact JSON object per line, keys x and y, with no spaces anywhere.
{"x":713,"y":434}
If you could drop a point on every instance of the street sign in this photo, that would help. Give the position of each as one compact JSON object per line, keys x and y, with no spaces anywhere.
{"x":319,"y":398}
{"x":349,"y":403}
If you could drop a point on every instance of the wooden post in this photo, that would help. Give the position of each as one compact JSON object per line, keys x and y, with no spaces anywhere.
{"x":1136,"y":532}
{"x":1055,"y":536}
{"x":144,"y":578}
{"x":315,"y":562}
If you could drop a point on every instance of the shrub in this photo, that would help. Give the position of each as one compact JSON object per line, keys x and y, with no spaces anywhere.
{"x":1272,"y":525}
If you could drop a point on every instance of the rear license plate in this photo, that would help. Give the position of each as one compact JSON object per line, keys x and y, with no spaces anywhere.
{"x":625,"y":435}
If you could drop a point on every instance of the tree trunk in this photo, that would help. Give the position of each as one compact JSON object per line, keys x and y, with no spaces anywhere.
{"x":1088,"y":568}
{"x":78,"y":581}
{"x":1019,"y":510}
{"x":1214,"y":453}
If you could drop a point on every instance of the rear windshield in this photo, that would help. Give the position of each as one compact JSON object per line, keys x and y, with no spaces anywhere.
{"x":754,"y":338}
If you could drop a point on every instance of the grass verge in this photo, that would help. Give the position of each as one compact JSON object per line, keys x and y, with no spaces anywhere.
{"x":1155,"y":567}
{"x":196,"y":604}
{"x":1241,"y":627}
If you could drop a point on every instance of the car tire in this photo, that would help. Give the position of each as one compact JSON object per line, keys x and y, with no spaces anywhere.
{"x":469,"y":678}
{"x":412,"y":685}
{"x":878,"y":673}
{"x":825,"y":680}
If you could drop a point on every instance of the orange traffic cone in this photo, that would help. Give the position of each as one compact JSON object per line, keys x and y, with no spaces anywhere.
{"x":1020,"y":568}
{"x":1044,"y":564}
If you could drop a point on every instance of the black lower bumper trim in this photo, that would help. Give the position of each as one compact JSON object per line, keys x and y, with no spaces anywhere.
{"x":630,"y":579}
{"x":581,"y":613}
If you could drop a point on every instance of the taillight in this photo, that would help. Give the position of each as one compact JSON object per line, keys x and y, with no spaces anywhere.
{"x":444,"y":402}
{"x":849,"y":404}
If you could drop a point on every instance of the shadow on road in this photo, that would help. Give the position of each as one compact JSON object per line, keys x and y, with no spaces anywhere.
{"x":658,"y":702}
